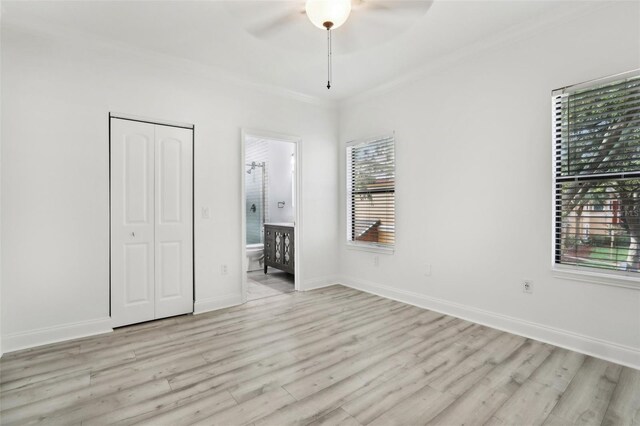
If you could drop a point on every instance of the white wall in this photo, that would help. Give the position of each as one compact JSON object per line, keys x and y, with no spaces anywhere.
{"x":0,"y":198}
{"x":56,"y":94}
{"x":279,"y":180}
{"x":473,"y":146}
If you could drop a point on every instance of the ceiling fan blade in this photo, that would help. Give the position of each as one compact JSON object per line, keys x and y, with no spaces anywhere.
{"x":274,"y":24}
{"x":371,"y":26}
{"x":392,"y":4}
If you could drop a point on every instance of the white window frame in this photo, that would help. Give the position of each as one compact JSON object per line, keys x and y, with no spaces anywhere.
{"x":580,"y":273}
{"x":368,"y":246}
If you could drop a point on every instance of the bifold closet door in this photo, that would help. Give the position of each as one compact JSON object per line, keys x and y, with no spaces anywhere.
{"x":151,"y":221}
{"x":132,"y":222}
{"x":174,"y":221}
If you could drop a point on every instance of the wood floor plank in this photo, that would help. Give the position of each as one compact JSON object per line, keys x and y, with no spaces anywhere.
{"x":304,"y":368}
{"x":474,"y":368}
{"x":253,"y":327}
{"x":624,"y":407}
{"x":530,"y":405}
{"x":226,"y":368}
{"x":326,"y":377}
{"x":559,"y":369}
{"x":43,"y":390}
{"x":555,"y":421}
{"x":458,"y":334}
{"x":332,"y":356}
{"x":417,"y":409}
{"x":332,"y":397}
{"x":157,"y":367}
{"x":329,"y":352}
{"x":174,"y":408}
{"x":15,"y":362}
{"x":414,"y":377}
{"x":586,"y":399}
{"x":319,"y":325}
{"x":60,"y":369}
{"x":533,"y":401}
{"x":478,"y":404}
{"x":78,"y":405}
{"x":258,"y":331}
{"x":337,"y":417}
{"x":249,"y":411}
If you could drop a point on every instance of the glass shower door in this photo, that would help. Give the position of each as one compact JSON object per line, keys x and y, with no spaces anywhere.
{"x":254,"y":205}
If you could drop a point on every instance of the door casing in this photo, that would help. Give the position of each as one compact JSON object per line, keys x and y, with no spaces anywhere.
{"x":280,"y":137}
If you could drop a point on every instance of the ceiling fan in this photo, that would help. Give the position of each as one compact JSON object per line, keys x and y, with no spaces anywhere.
{"x":362,"y":23}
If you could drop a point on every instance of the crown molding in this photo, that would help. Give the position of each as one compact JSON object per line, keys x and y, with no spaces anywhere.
{"x":510,"y":35}
{"x":166,"y":61}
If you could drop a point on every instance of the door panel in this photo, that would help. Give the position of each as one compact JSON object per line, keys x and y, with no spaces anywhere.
{"x":170,"y":173}
{"x":174,"y":225}
{"x":137,"y":260}
{"x":136,"y":178}
{"x":169,"y":278}
{"x":132,"y":222}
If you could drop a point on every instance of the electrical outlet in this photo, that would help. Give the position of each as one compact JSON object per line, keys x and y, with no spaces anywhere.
{"x":224,"y":270}
{"x":376,"y":261}
{"x":427,"y":270}
{"x":206,"y":213}
{"x":527,"y":286}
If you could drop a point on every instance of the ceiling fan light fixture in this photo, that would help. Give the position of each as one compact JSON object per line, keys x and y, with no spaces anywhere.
{"x":328,"y":14}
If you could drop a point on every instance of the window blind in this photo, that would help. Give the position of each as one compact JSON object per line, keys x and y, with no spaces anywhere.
{"x":596,"y":134}
{"x":371,"y":180}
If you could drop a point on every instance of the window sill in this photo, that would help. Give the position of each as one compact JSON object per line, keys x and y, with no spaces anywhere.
{"x":589,"y":275}
{"x":370,"y":248}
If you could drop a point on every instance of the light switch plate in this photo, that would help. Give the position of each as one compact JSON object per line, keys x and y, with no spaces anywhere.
{"x":427,"y":270}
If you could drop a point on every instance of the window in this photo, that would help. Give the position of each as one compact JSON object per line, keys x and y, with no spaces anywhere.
{"x":597,"y":174}
{"x":371,"y":181}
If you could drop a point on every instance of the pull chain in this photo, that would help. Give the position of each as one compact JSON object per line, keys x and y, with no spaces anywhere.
{"x":329,"y":58}
{"x":328,"y":25}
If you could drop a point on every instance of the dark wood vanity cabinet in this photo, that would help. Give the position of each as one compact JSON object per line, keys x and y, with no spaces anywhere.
{"x":279,"y":247}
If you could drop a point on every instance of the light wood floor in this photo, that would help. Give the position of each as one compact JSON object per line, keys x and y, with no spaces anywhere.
{"x":260,"y":285}
{"x":325,"y":357}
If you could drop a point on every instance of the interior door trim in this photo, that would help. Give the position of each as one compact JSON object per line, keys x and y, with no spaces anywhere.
{"x":192,"y":127}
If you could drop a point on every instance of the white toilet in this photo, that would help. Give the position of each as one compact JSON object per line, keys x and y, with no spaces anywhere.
{"x":255,"y":257}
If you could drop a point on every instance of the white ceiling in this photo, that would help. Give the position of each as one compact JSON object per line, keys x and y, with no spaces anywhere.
{"x":374,"y":47}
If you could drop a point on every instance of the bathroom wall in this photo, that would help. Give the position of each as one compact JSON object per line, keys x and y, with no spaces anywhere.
{"x":256,"y":150}
{"x":279,"y":180}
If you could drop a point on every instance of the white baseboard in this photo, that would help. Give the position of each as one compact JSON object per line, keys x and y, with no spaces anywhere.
{"x":316,"y":283}
{"x":44,"y":336}
{"x":599,"y":348}
{"x":214,"y":303}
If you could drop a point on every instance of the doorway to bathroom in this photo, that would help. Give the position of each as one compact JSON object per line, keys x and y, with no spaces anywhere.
{"x":270,"y":214}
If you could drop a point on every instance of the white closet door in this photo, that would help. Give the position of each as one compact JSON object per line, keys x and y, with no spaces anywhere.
{"x":151,"y":221}
{"x":174,"y":221}
{"x":132,"y":222}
